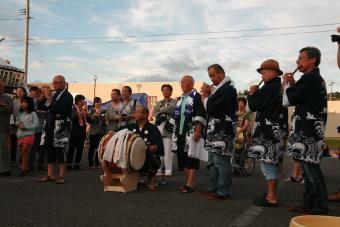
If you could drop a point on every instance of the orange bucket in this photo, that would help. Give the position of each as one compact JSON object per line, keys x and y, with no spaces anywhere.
{"x":315,"y":221}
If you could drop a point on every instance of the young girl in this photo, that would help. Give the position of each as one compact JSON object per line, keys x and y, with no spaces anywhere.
{"x":27,"y":124}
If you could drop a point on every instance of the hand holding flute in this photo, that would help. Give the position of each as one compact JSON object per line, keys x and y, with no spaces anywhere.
{"x":288,"y":78}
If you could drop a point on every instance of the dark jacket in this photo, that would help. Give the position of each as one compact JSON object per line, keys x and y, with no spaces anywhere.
{"x":198,"y":114}
{"x":59,"y":109}
{"x":309,"y":96}
{"x":221,"y":109}
{"x":267,"y":102}
{"x":77,"y":130}
{"x":151,"y":135}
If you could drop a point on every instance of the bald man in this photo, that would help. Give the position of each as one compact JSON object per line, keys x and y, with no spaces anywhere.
{"x":6,"y":109}
{"x":57,"y":129}
{"x":189,"y":119}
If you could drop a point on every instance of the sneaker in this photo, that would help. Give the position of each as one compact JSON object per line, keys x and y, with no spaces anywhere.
{"x":159,"y":173}
{"x":168,"y":173}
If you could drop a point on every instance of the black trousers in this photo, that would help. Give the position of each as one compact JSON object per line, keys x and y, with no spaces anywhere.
{"x":76,"y":144}
{"x":94,"y":143}
{"x":315,"y":193}
{"x":14,"y":148}
{"x":151,"y":164}
{"x":182,"y":157}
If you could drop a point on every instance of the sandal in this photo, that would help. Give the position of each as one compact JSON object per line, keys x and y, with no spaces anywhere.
{"x":182,"y":187}
{"x":263,"y":202}
{"x":300,"y":180}
{"x":60,"y":180}
{"x":187,"y":189}
{"x":290,"y":179}
{"x":46,"y":179}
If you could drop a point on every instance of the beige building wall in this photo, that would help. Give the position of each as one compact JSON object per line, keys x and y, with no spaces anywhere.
{"x":103,"y":90}
{"x":333,"y":119}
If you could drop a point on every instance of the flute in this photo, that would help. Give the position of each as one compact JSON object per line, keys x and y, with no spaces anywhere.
{"x":291,"y":74}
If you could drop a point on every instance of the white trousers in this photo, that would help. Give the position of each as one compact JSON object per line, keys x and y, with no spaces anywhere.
{"x":168,"y":157}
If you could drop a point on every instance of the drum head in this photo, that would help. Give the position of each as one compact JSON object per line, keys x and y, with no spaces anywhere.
{"x":137,"y":153}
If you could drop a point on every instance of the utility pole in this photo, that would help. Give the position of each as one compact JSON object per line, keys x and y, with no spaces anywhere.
{"x":94,"y":86}
{"x":331,"y":95}
{"x":26,"y":12}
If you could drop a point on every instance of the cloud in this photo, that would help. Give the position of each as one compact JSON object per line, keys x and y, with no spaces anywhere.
{"x":36,"y":64}
{"x":167,"y":60}
{"x":152,"y":78}
{"x":182,"y":64}
{"x":114,"y":31}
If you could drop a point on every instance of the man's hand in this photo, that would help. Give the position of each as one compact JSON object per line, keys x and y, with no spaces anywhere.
{"x":153,"y":148}
{"x":198,"y":132}
{"x":253,"y":89}
{"x":288,"y":79}
{"x":21,"y":125}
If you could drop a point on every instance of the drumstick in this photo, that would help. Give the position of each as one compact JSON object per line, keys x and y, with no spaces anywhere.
{"x":291,"y":74}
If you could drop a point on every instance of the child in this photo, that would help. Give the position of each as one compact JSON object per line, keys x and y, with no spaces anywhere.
{"x":27,"y":124}
{"x":266,"y":136}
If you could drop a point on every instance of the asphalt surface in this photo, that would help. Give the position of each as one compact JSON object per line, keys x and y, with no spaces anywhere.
{"x":81,"y":201}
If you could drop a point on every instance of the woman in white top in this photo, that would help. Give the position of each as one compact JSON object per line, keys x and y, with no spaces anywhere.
{"x":113,"y":113}
{"x":129,"y":107}
{"x":163,"y":111}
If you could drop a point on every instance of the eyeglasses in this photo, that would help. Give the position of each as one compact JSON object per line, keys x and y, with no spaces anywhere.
{"x":303,"y":58}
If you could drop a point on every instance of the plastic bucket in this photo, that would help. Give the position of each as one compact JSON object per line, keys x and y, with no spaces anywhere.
{"x":315,"y":221}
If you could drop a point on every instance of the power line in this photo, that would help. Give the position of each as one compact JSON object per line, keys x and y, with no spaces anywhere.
{"x":10,"y":19}
{"x":187,"y":39}
{"x":176,"y":34}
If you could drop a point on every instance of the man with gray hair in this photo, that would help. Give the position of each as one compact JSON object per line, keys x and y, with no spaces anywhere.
{"x":154,"y":144}
{"x":6,"y":109}
{"x":221,"y":109}
{"x":189,"y":120}
{"x":57,"y":130}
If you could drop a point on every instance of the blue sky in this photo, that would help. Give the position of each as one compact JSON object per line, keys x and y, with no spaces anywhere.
{"x":133,"y":60}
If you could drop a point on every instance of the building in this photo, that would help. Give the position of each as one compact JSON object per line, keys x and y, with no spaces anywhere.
{"x":13,"y":76}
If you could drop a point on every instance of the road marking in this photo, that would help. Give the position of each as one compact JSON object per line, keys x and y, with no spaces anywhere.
{"x":247,"y":216}
{"x":250,"y":214}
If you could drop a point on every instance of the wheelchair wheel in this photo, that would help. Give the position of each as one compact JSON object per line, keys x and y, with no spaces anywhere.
{"x":247,"y":163}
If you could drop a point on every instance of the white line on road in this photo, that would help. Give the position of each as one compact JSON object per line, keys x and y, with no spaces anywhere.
{"x":246,"y":217}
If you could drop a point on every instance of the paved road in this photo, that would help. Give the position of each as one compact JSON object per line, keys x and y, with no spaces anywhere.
{"x":82,"y":202}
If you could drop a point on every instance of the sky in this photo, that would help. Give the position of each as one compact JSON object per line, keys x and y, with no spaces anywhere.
{"x":158,"y":40}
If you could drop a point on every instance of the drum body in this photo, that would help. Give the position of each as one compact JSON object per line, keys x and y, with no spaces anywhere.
{"x":133,"y":148}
